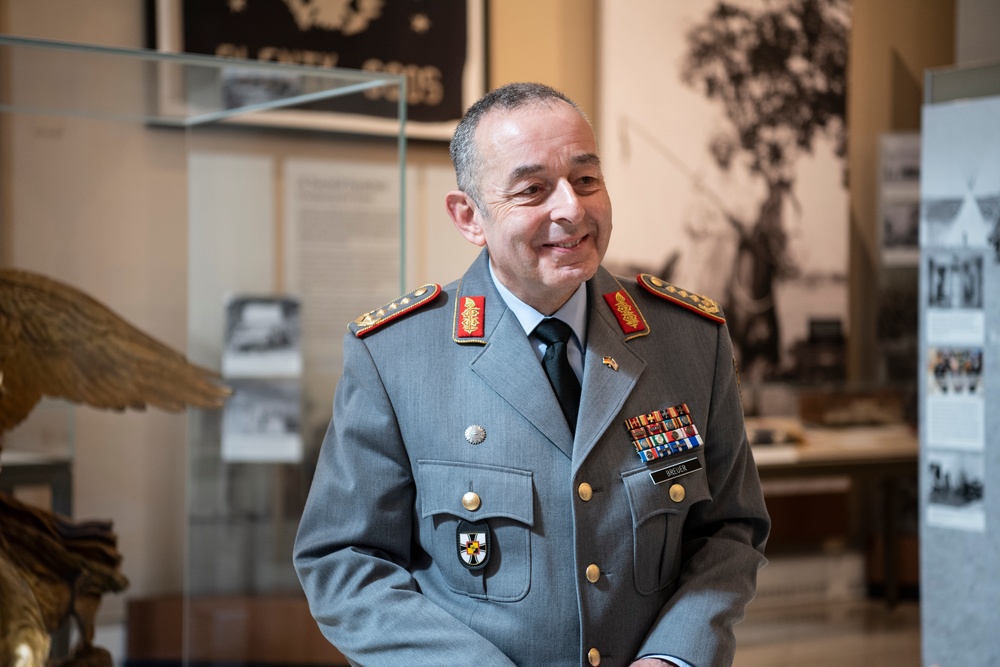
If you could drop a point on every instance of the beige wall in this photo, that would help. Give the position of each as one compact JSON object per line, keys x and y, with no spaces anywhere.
{"x":892,"y":43}
{"x":549,"y":41}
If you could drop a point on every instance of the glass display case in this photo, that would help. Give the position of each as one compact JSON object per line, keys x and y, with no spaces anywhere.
{"x":243,"y":212}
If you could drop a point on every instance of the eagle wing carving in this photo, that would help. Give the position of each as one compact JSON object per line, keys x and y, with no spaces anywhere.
{"x":57,"y":341}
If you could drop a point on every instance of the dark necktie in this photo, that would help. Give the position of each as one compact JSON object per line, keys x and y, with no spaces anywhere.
{"x":555,"y":334}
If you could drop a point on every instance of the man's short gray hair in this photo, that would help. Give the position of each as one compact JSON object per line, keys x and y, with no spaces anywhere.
{"x":465,"y":153}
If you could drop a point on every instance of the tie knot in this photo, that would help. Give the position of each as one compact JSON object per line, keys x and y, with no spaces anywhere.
{"x":552,"y":330}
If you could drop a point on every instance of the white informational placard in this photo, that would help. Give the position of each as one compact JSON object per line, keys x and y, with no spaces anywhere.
{"x":960,"y":199}
{"x":341,"y":246}
{"x":341,"y":250}
{"x":956,"y":327}
{"x":955,"y":422}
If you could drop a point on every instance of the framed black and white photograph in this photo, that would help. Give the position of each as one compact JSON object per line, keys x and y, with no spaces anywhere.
{"x":729,"y":173}
{"x":438,"y":47}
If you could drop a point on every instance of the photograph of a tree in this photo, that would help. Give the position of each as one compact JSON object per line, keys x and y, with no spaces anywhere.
{"x":779,"y":74}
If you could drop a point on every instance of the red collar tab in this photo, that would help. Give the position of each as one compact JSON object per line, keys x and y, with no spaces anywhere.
{"x":694,"y":302}
{"x":629,"y":318}
{"x":470,"y":319}
{"x":371,"y":321}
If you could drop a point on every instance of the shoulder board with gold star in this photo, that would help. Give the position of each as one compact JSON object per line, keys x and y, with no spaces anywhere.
{"x":409,"y":302}
{"x":694,"y":302}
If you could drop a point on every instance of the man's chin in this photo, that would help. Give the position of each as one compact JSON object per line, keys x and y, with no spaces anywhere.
{"x":585,"y":270}
{"x":571,"y":276}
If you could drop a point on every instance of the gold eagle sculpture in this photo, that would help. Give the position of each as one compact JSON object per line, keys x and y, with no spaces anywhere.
{"x":56,"y":341}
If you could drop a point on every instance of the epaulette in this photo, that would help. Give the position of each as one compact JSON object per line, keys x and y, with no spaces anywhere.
{"x":694,"y":302}
{"x":409,"y":302}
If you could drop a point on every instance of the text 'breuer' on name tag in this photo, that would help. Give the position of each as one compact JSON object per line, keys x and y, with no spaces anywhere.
{"x":678,"y":469}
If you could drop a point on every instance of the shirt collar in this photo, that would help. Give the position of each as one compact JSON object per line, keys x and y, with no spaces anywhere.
{"x":573,"y":312}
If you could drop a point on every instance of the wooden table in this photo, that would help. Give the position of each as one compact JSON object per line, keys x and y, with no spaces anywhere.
{"x":876,"y":459}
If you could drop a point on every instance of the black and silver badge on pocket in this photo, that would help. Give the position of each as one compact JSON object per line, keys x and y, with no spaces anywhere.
{"x":473,"y":544}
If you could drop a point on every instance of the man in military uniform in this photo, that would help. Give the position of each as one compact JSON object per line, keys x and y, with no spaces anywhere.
{"x":492,"y":493}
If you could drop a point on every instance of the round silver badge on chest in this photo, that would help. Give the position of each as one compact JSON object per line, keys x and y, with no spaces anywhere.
{"x":475,"y":434}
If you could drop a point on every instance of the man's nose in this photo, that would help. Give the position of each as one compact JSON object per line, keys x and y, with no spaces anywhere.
{"x":566,"y":204}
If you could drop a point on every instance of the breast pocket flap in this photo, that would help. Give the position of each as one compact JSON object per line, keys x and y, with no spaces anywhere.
{"x":475,"y":492}
{"x":671,"y":496}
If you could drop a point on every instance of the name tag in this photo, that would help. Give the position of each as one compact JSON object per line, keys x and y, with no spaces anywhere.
{"x":679,"y":469}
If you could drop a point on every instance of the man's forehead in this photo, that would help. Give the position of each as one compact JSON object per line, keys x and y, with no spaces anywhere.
{"x":505,"y":133}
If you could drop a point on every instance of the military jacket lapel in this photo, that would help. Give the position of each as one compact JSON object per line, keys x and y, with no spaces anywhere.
{"x":508,"y":364}
{"x":606,"y":386}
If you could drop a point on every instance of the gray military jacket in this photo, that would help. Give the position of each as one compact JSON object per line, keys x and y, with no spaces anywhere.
{"x":584,"y":559}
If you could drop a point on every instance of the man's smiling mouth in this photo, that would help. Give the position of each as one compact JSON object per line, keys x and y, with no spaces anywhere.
{"x":567,"y":244}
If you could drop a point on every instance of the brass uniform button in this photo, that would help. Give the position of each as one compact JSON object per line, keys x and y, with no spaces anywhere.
{"x":585,"y":492}
{"x":593,"y":573}
{"x":677,"y":493}
{"x":471,"y":501}
{"x":594,"y":657}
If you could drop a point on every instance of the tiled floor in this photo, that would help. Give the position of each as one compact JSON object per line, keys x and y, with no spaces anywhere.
{"x":863,"y":633}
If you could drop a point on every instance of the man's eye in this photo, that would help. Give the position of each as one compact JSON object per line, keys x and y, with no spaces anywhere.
{"x":531,"y":190}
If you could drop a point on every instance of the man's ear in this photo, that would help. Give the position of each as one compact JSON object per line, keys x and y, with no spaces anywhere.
{"x":463,"y":213}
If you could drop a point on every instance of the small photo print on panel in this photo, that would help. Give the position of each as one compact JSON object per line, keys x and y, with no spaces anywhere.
{"x":262,"y":421}
{"x":957,"y":488}
{"x":263,"y":337}
{"x":901,"y":224}
{"x":900,"y":158}
{"x":955,"y":280}
{"x":956,"y":371}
